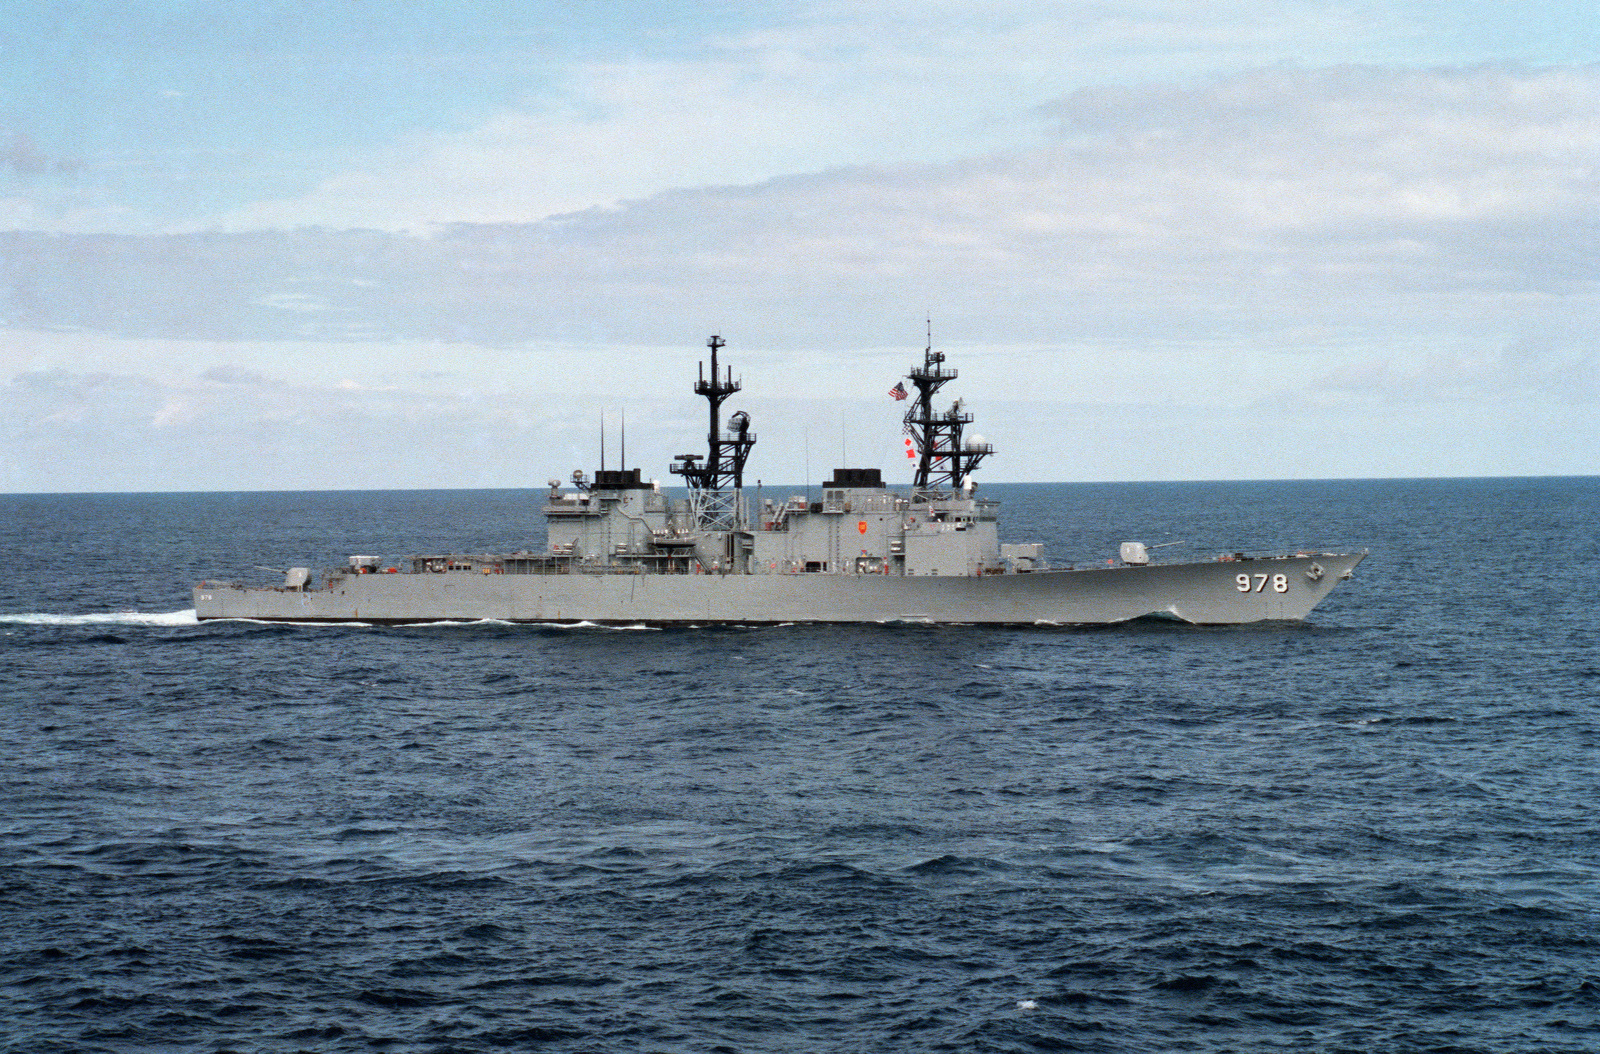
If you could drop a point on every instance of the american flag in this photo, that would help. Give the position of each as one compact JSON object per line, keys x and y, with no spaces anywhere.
{"x":898,"y":392}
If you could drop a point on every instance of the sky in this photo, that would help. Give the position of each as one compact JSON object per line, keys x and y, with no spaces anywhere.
{"x":338,"y":244}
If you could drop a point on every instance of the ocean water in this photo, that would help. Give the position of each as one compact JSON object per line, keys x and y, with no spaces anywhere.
{"x":1374,"y":831}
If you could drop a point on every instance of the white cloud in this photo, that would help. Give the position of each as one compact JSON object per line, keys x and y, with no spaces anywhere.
{"x":622,"y":132}
{"x":1275,"y":201}
{"x":1310,"y":258}
{"x":829,"y":85}
{"x":87,"y":432}
{"x":801,"y":87}
{"x":17,"y":213}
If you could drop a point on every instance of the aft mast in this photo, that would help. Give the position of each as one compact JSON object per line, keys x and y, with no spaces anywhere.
{"x":716,"y":488}
{"x":944,"y":460}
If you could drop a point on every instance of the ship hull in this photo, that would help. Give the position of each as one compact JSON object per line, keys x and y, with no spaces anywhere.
{"x":1210,"y":593}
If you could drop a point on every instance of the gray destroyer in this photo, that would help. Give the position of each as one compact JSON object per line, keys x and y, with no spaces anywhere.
{"x":621,"y":551}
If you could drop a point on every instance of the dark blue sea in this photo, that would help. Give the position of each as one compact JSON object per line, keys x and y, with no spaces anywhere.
{"x":1374,"y":831}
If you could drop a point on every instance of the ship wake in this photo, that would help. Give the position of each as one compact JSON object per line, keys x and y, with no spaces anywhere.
{"x":112,"y":618}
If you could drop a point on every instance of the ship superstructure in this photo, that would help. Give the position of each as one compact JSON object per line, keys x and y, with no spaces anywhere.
{"x":619,"y":549}
{"x":620,"y":523}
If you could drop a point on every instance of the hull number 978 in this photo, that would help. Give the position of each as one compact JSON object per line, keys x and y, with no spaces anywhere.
{"x":1258,"y":583}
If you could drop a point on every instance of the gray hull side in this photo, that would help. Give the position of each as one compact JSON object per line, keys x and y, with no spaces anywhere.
{"x":1206,"y":593}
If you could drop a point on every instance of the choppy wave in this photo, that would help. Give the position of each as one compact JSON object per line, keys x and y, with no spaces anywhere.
{"x":1371,"y":833}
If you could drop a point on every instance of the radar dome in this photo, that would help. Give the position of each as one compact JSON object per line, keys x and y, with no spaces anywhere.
{"x":975,"y":442}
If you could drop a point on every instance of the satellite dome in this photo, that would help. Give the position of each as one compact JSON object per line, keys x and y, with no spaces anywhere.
{"x":975,"y":442}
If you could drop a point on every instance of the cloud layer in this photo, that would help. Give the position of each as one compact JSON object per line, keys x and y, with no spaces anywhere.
{"x":1268,"y":191}
{"x":1350,"y":239}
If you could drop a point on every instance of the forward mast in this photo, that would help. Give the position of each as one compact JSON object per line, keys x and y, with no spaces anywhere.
{"x":716,"y":486}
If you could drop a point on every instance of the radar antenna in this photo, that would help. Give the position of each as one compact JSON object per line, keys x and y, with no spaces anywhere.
{"x":723,"y":470}
{"x":943,"y":460}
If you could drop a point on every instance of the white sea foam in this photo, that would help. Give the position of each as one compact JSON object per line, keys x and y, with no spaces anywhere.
{"x":611,"y":626}
{"x":187,"y":618}
{"x":114,"y":618}
{"x":451,"y":623}
{"x":296,"y":625}
{"x":460,"y":623}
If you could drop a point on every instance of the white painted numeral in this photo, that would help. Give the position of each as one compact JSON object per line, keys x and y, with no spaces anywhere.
{"x":1243,"y":583}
